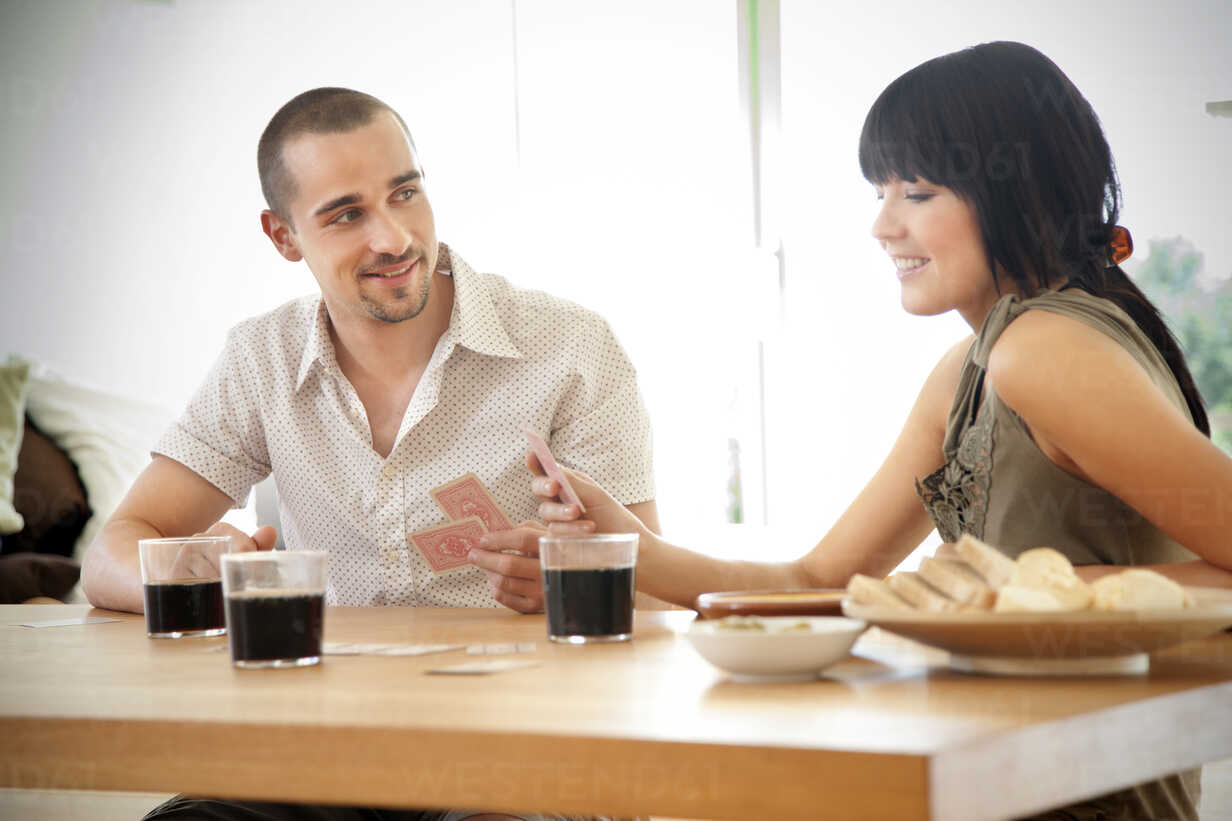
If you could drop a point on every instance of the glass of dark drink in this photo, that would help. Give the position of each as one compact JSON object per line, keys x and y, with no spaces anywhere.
{"x":183,"y":586}
{"x":588,"y":586}
{"x":275,"y":607}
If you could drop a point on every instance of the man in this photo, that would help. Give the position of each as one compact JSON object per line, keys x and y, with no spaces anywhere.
{"x":408,"y":371}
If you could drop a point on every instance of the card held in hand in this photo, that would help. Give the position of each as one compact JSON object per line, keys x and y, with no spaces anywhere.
{"x":467,"y":496}
{"x":548,"y":463}
{"x":445,"y":547}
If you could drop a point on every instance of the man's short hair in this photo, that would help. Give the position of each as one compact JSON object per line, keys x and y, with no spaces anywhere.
{"x":319,"y":111}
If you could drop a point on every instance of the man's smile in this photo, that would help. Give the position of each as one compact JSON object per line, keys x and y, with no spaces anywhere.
{"x":397,"y":274}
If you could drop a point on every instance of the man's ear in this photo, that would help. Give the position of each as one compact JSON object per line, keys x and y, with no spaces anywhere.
{"x":281,"y":234}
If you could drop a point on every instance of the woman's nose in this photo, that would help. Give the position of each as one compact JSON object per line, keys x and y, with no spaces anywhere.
{"x":885,"y":224}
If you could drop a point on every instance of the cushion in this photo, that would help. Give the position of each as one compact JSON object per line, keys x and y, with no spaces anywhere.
{"x":26,"y":575}
{"x":108,"y":438}
{"x":14,"y":385}
{"x":48,"y":494}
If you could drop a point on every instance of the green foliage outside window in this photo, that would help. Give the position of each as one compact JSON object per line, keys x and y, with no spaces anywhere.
{"x":1200,"y":315}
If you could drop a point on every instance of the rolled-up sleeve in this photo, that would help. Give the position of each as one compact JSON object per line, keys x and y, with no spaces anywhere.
{"x":601,"y":426}
{"x":220,"y":435}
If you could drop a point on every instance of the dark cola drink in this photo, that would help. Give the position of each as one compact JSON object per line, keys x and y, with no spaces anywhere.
{"x":589,"y":604}
{"x":275,"y":628}
{"x":184,"y":607}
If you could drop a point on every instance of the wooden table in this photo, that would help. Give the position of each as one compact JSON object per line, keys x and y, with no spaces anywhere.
{"x":641,"y":728}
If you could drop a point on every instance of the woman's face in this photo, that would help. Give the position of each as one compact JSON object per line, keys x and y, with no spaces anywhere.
{"x":933,"y":237}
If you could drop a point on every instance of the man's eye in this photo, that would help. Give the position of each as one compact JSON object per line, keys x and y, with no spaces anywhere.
{"x":405,"y":194}
{"x":349,"y":215}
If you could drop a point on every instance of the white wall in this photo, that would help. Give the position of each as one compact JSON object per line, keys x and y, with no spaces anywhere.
{"x":128,"y":219}
{"x":131,"y":239}
{"x":129,"y":216}
{"x":849,"y":361}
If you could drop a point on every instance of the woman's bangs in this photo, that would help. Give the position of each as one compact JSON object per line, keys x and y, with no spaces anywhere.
{"x":901,"y":139}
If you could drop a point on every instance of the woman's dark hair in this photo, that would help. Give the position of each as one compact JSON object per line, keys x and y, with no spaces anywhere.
{"x":1006,"y":130}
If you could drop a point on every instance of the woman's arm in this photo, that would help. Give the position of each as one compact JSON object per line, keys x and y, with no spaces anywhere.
{"x":884,"y":523}
{"x":1098,"y":415}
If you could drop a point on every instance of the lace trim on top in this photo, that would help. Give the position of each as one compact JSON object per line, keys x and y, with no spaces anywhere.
{"x":956,"y":494}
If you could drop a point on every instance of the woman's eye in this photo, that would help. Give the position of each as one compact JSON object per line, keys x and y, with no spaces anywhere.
{"x":919,"y":197}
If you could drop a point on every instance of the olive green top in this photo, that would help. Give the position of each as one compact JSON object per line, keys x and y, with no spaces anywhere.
{"x":999,"y":486}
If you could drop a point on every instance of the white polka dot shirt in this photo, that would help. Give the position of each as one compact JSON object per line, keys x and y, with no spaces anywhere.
{"x":277,"y":402}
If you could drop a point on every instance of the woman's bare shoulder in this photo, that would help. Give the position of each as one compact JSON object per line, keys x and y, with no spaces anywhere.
{"x":945,"y":375}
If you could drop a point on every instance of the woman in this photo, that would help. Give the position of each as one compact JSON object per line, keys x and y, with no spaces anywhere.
{"x":1070,"y":419}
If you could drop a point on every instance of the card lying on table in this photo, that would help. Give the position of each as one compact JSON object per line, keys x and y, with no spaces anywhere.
{"x":552,"y":469}
{"x":482,"y":667}
{"x":336,"y":648}
{"x":66,"y":622}
{"x":502,"y":649}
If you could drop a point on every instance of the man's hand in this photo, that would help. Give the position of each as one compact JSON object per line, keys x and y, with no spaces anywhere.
{"x":197,"y":561}
{"x":167,"y":499}
{"x":514,"y":577}
{"x":263,"y":538}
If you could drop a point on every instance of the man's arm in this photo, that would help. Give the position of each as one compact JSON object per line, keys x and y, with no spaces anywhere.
{"x":166,"y":500}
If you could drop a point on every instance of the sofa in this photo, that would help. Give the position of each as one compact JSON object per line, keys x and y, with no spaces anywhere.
{"x":68,"y":453}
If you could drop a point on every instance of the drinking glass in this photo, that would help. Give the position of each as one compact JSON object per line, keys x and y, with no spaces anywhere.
{"x":275,"y":607}
{"x":182,"y":586}
{"x":588,"y":586}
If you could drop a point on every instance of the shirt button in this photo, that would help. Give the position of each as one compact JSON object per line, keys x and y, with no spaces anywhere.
{"x":389,"y":471}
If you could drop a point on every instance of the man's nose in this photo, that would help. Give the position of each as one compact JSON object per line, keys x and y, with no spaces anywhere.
{"x":386,"y":235}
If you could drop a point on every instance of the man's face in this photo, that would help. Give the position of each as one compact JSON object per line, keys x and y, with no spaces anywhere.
{"x":361,"y":220}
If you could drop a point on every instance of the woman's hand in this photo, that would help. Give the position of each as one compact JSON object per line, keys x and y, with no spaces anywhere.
{"x":603,"y":513}
{"x":510,"y":558}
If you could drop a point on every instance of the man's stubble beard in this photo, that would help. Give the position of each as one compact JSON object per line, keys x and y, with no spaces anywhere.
{"x":396,"y":312}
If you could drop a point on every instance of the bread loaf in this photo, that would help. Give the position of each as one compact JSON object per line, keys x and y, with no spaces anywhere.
{"x":956,"y":579}
{"x":920,"y":593}
{"x":1012,"y":599}
{"x":994,"y":566}
{"x":874,"y":592}
{"x":1138,"y":589}
{"x":1047,"y":570}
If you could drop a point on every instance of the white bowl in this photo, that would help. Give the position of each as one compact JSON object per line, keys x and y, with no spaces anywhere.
{"x":774,"y":648}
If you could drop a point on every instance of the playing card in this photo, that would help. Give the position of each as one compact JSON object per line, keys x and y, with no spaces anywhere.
{"x":466,"y":496}
{"x":415,"y":649}
{"x":331,"y":648}
{"x":505,"y":649}
{"x":482,"y":667}
{"x":67,"y":622}
{"x":552,"y":469}
{"x":446,"y":546}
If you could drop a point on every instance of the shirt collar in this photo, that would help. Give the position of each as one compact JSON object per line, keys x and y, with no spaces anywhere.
{"x":474,"y":324}
{"x":318,"y":347}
